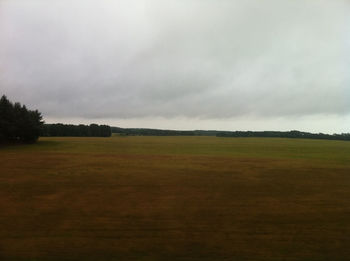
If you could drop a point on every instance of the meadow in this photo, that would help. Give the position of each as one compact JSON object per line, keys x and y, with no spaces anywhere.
{"x":175,"y":198}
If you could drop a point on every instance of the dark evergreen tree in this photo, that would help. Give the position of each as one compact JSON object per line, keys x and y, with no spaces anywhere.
{"x":6,"y":117}
{"x":105,"y":131}
{"x":95,"y":130}
{"x":17,"y":123}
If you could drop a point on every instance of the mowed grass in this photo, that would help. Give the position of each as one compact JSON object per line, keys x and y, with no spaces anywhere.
{"x":175,"y":198}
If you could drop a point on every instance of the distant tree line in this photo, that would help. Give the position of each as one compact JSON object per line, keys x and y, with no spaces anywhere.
{"x":17,"y":123}
{"x":65,"y":130}
{"x":269,"y":134}
{"x":285,"y":134}
{"x":158,"y":132}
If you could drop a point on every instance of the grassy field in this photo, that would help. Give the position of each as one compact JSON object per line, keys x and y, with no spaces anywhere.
{"x":175,"y":198}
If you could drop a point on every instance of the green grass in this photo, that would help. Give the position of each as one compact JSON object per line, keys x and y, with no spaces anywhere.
{"x":337,"y":151}
{"x":175,"y":198}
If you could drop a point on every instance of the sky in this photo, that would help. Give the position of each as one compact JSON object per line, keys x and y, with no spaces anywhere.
{"x":180,"y":64}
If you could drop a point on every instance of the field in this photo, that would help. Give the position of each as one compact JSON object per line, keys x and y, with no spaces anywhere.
{"x":175,"y":198}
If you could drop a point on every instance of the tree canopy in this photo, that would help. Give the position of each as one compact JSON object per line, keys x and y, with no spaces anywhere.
{"x":64,"y":130}
{"x":17,"y":123}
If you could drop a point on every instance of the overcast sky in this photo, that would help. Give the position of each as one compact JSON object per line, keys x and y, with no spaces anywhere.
{"x":180,"y":64}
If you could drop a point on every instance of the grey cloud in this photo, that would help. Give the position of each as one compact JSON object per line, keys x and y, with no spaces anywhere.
{"x":195,"y":59}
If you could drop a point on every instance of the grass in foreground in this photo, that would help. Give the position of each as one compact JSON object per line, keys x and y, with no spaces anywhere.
{"x":175,"y":198}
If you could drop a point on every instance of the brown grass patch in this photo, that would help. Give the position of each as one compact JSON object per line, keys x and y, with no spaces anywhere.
{"x":110,"y":206}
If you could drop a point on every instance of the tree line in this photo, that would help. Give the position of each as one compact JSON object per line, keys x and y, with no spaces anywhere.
{"x":81,"y":130}
{"x":267,"y":134}
{"x":285,"y":134}
{"x":159,"y":132}
{"x":17,"y":123}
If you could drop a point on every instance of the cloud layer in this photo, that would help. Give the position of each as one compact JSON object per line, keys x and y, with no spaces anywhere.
{"x":195,"y":59}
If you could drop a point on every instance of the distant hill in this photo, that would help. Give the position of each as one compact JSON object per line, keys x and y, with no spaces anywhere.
{"x":269,"y":134}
